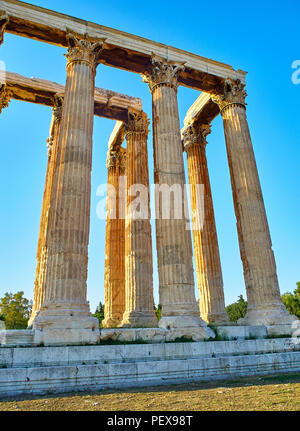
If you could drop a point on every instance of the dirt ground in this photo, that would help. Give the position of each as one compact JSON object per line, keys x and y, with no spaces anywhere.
{"x":252,"y":394}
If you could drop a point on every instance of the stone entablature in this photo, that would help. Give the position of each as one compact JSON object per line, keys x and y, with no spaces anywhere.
{"x":122,"y":49}
{"x":108,"y":104}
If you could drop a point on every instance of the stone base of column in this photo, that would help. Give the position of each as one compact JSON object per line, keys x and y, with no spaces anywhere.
{"x":139,"y":320}
{"x":272,"y":315}
{"x":66,"y":325}
{"x":111,"y":323}
{"x":188,"y":324}
{"x":32,"y":318}
{"x":217,"y":319}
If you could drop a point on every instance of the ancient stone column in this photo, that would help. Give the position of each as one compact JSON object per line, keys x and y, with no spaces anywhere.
{"x":139,"y":304}
{"x":264,"y":302}
{"x":5,"y":96}
{"x":65,"y":317}
{"x":206,"y":248}
{"x":173,"y":237}
{"x":3,"y":23}
{"x":114,"y":274}
{"x":49,"y":194}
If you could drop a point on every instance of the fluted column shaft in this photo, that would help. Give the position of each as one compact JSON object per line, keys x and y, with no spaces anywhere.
{"x":173,"y":238}
{"x":139,"y":304}
{"x":66,"y":273}
{"x":206,"y":248}
{"x":263,"y":294}
{"x":114,"y":273}
{"x":49,"y":194}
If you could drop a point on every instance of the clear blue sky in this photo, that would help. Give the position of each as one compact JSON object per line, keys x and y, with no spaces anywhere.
{"x":259,"y":37}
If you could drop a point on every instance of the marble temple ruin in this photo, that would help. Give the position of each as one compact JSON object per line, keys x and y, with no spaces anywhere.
{"x":61,"y":313}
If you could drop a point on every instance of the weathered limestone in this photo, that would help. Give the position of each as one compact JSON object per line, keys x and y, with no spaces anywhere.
{"x":5,"y":96}
{"x":64,"y":316}
{"x":264,"y":302}
{"x":114,"y":274}
{"x":173,"y":238}
{"x":61,"y":312}
{"x":108,"y":104}
{"x":206,"y":248}
{"x":80,"y":368}
{"x":123,"y":50}
{"x":139,"y":308}
{"x":3,"y":23}
{"x":49,"y":195}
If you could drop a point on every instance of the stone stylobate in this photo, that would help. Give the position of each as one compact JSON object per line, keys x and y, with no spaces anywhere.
{"x":139,"y":305}
{"x":64,"y":314}
{"x":206,"y":248}
{"x":264,"y":301}
{"x":173,"y":238}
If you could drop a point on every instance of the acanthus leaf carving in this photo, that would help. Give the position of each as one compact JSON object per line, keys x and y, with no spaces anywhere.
{"x":195,"y":134}
{"x":58,"y":101}
{"x":137,"y":122}
{"x":5,"y":96}
{"x":84,"y":50}
{"x":116,"y":158}
{"x":162,"y":72}
{"x":234,"y":93}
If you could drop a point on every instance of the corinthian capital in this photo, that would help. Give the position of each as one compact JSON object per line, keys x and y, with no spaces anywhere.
{"x":137,"y":122}
{"x":116,"y":158}
{"x":49,"y":147}
{"x":83,"y":50}
{"x":58,"y":100}
{"x":195,"y":134}
{"x":234,"y":93}
{"x":162,"y":72}
{"x":5,"y":96}
{"x":3,"y":22}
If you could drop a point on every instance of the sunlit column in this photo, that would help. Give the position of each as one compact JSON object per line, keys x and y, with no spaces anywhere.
{"x":173,"y":237}
{"x":114,"y":274}
{"x":264,"y":301}
{"x":49,"y":194}
{"x":64,"y":316}
{"x":139,"y":305}
{"x":206,"y":247}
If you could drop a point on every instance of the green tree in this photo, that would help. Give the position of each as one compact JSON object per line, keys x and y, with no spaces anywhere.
{"x":157,"y":311}
{"x":292,"y":301}
{"x":237,"y":310}
{"x":99,"y":313}
{"x":16,"y":310}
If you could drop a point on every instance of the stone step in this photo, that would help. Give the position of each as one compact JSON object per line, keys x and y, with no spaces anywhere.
{"x":16,"y":337}
{"x":132,"y":353}
{"x":59,"y":379}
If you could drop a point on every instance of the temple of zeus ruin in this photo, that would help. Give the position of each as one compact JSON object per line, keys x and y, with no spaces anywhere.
{"x":61,"y":313}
